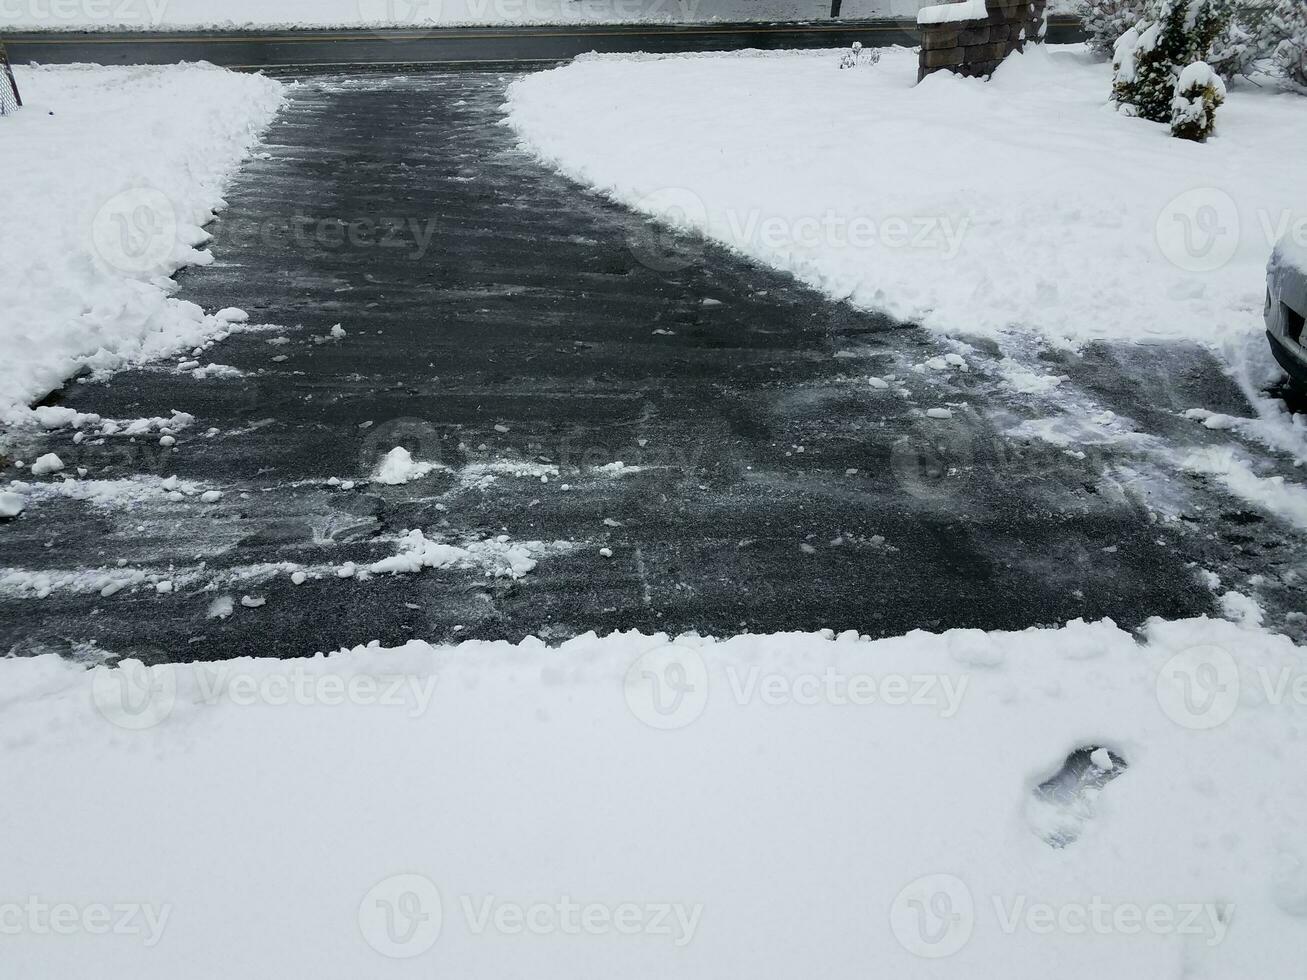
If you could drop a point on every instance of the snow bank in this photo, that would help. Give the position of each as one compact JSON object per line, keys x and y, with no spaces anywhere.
{"x":790,"y":805}
{"x":109,"y":174}
{"x":146,"y":14}
{"x":1023,"y":203}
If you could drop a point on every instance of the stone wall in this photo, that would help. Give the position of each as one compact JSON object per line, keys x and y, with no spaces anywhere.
{"x":978,"y":45}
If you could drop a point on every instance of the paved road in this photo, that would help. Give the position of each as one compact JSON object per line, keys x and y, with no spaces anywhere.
{"x":518,"y":327}
{"x":499,"y":45}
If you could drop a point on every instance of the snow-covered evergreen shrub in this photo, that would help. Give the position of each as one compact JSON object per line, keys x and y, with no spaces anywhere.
{"x":1149,"y":58}
{"x":1106,"y":20}
{"x":1283,"y":33}
{"x":1199,"y":92}
{"x":1238,"y":49}
{"x":1264,"y":35}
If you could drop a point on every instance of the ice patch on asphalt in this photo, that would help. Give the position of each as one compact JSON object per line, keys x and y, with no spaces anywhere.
{"x":1285,"y":500}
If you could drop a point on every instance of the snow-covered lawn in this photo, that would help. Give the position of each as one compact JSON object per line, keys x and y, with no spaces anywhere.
{"x":1023,"y":203}
{"x":108,"y":176}
{"x":785,"y":806}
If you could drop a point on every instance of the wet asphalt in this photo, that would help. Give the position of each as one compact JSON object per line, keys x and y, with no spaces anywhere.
{"x":509,"y":325}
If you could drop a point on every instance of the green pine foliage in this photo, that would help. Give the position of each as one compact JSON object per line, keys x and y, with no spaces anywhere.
{"x":1106,"y":20}
{"x":1284,"y":34}
{"x":1198,"y":94}
{"x":1150,"y":57}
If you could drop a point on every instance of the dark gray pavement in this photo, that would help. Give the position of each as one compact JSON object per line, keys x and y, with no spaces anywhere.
{"x":445,"y":46}
{"x":768,"y":487}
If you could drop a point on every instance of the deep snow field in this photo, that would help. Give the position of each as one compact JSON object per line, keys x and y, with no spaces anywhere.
{"x":787,"y":805}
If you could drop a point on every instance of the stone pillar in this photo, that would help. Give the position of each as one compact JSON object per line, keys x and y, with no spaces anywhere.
{"x":977,"y":45}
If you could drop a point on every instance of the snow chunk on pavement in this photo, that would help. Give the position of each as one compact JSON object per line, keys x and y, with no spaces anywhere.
{"x":49,"y":463}
{"x":500,"y":559}
{"x":398,"y":466}
{"x":12,"y":504}
{"x":221,"y":607}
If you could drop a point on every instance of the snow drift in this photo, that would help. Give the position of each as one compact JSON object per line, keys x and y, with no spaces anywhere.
{"x":109,"y":176}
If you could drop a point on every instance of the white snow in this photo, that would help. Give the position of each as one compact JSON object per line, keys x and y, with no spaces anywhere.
{"x":801,"y":785}
{"x":398,"y":466}
{"x":47,"y":464}
{"x":1291,"y":252}
{"x":499,"y":559}
{"x":934,"y":202}
{"x":147,"y":14}
{"x":1286,"y":500}
{"x":12,"y":504}
{"x":949,"y":13}
{"x":112,"y":494}
{"x":1200,"y":74}
{"x":109,"y":176}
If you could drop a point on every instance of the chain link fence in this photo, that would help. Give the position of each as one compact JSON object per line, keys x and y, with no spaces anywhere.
{"x":10,"y":100}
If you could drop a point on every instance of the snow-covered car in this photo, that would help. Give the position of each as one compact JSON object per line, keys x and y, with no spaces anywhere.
{"x":1286,"y":306}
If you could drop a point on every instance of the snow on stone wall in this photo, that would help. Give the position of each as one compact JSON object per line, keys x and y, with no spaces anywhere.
{"x":974,"y":36}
